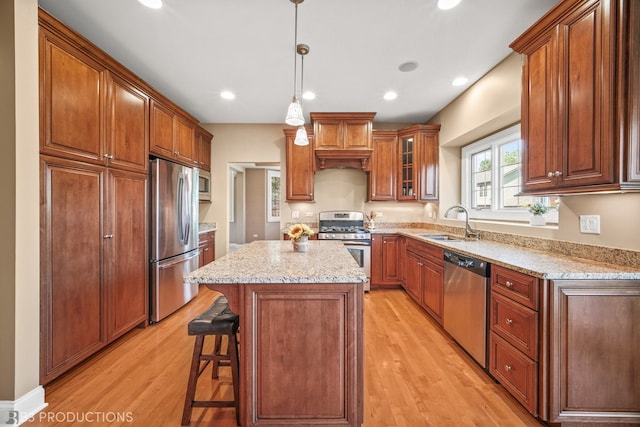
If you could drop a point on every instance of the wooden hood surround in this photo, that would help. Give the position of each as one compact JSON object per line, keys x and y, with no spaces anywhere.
{"x":343,"y":140}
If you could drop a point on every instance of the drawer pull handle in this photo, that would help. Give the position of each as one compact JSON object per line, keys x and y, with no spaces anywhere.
{"x":507,"y":368}
{"x":508,"y":321}
{"x":509,"y":284}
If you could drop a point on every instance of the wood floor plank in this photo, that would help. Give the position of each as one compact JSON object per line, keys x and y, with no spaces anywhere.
{"x":415,"y":376}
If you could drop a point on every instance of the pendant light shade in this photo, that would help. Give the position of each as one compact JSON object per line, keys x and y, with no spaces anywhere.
{"x":301,"y":137}
{"x":294,"y":113}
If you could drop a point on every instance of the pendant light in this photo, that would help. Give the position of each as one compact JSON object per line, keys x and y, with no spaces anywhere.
{"x":301,"y":134}
{"x":294,"y":113}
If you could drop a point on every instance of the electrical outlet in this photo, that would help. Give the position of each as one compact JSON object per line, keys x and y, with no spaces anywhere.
{"x":309,"y":214}
{"x":295,"y":214}
{"x":379,"y":215}
{"x":590,"y":224}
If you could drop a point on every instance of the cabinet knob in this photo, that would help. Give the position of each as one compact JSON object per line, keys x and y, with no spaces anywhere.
{"x":558,"y":173}
{"x":509,"y":284}
{"x":508,"y":321}
{"x":550,"y":174}
{"x":108,"y":156}
{"x":507,"y":368}
{"x":108,"y":236}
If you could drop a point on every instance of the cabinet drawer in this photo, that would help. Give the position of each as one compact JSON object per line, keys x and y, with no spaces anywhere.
{"x":427,"y":250}
{"x":515,"y":371}
{"x":517,"y":286}
{"x":515,"y":323}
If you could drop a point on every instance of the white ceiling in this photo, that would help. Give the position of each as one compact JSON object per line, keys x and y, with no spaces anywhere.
{"x":191,"y":50}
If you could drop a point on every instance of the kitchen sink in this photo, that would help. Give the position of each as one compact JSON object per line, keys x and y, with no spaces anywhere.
{"x":442,"y":237}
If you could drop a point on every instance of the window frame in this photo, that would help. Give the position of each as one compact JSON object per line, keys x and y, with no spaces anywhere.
{"x":496,"y":212}
{"x":272,"y":173}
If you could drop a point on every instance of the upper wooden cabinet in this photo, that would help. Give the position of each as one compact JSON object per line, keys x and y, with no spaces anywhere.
{"x":384,"y":163}
{"x":299,"y":168}
{"x":580,"y":89}
{"x":343,"y":139}
{"x":172,"y":136}
{"x":203,"y":146}
{"x":418,"y":160}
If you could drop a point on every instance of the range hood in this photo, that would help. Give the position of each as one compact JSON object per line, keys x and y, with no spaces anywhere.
{"x":355,"y":159}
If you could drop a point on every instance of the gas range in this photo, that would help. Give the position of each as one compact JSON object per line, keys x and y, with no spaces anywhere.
{"x":343,"y":225}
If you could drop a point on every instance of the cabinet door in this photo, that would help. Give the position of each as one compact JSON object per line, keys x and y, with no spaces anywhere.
{"x":382,"y":178}
{"x":413,"y":283}
{"x":329,"y":134}
{"x":203,"y":143}
{"x":299,"y":164}
{"x":586,"y":141}
{"x":126,"y":256}
{"x":161,"y":139}
{"x":407,"y":172}
{"x":376,"y":261}
{"x":433,"y":288}
{"x":595,"y":351}
{"x":207,"y":246}
{"x":71,"y":259}
{"x":184,"y":142}
{"x":71,"y":102}
{"x":390,"y":272}
{"x":429,"y":171}
{"x":127,"y":124}
{"x":357,"y":134}
{"x":538,"y":115}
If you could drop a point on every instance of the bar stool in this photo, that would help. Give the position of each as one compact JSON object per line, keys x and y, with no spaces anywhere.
{"x":218,"y":320}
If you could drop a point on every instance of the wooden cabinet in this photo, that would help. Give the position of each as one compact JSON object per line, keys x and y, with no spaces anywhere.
{"x":513,"y":337}
{"x":575,"y":72}
{"x":342,"y":131}
{"x":94,"y":265}
{"x":594,"y":352}
{"x":424,"y":281}
{"x":172,"y":136}
{"x":207,"y":247}
{"x":384,"y":163}
{"x":385,"y":270}
{"x":299,"y":168}
{"x":418,"y":160}
{"x":203,"y":145}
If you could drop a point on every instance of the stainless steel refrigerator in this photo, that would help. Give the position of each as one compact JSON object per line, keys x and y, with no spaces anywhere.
{"x":174,"y":236}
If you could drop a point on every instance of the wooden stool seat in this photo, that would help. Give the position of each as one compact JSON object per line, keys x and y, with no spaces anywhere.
{"x":217,"y":321}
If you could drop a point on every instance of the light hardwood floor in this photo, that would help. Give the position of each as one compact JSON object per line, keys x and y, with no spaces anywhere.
{"x":415,"y":376}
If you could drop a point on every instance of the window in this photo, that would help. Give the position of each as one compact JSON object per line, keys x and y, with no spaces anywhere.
{"x":492,"y":179}
{"x":273,"y":196}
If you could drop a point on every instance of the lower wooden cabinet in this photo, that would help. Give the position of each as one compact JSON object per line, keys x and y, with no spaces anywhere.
{"x":207,"y":247}
{"x":424,"y":276}
{"x":94,"y":271}
{"x":385,"y":270}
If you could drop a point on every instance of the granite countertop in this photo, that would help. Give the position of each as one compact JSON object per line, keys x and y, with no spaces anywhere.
{"x":537,"y":263}
{"x":205,"y":227}
{"x":274,"y":261}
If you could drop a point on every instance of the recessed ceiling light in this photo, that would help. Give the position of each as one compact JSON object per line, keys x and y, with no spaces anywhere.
{"x":459,"y":81}
{"x":152,"y":4}
{"x":308,"y":95}
{"x":408,"y":66}
{"x":226,"y":94}
{"x":391,"y":95}
{"x":447,"y":4}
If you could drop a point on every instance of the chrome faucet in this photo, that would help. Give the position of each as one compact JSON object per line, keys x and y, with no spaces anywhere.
{"x":468,"y":232}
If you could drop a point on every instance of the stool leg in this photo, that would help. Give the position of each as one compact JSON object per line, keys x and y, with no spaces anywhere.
{"x":216,"y":350}
{"x":235,"y":372}
{"x":193,"y":378}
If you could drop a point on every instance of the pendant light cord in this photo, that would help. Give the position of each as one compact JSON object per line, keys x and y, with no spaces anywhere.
{"x":295,"y":44}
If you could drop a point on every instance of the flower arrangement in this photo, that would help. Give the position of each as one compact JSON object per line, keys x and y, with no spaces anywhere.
{"x":297,"y":231}
{"x":538,"y":209}
{"x":371,"y":216}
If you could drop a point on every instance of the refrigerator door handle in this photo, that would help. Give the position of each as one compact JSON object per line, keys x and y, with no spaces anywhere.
{"x":164,"y":264}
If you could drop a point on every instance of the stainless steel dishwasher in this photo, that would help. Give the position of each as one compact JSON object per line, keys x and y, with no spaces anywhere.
{"x":465,"y":303}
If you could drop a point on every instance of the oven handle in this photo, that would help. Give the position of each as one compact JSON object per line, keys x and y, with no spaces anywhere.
{"x":355,"y":243}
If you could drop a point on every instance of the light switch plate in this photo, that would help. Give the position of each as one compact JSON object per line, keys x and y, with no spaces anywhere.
{"x":295,"y":214}
{"x":590,"y":224}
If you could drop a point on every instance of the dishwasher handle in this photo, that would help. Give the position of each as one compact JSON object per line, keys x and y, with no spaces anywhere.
{"x":475,"y":265}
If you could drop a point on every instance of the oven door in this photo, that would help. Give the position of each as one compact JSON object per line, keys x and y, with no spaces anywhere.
{"x":361,"y":252}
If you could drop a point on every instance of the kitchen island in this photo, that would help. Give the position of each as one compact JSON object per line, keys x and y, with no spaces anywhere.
{"x":301,"y":339}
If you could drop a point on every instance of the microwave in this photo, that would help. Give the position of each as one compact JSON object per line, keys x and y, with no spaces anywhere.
{"x":204,"y":186}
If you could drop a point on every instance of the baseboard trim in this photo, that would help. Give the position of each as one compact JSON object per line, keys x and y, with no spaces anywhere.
{"x":16,"y":412}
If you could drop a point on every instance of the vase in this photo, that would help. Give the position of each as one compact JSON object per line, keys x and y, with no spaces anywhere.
{"x":537,"y":220}
{"x":301,"y":244}
{"x":372,"y":224}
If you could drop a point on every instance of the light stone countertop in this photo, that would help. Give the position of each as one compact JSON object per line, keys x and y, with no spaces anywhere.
{"x":274,"y":261}
{"x":537,"y":263}
{"x":205,"y":227}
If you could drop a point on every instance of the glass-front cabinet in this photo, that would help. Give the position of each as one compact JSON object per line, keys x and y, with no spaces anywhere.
{"x":418,"y":163}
